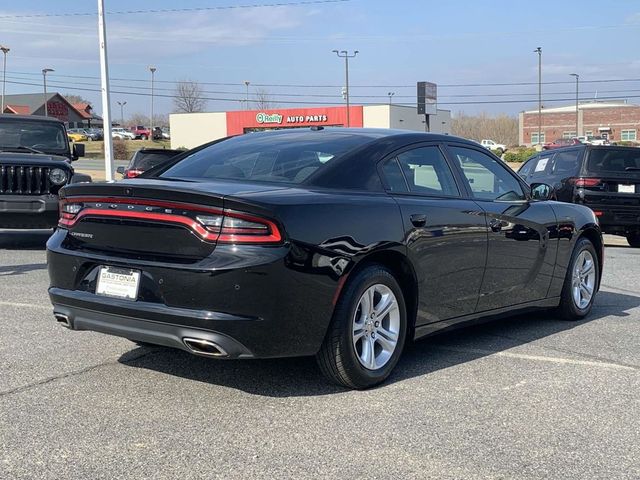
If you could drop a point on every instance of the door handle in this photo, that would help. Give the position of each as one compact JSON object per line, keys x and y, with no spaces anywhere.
{"x":496,"y":225}
{"x":418,"y":219}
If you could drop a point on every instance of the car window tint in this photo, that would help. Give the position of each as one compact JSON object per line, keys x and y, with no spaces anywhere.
{"x":427,"y":172}
{"x":146,"y":161}
{"x":525,"y":169}
{"x":614,"y":160}
{"x":488,"y":179}
{"x":566,"y":163}
{"x":268,"y":158}
{"x":393,"y":176}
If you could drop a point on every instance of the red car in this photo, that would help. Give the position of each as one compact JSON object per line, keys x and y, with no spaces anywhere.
{"x":561,"y":142}
{"x":141,"y":132}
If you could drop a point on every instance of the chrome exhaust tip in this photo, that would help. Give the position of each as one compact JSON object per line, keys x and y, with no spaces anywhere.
{"x":62,"y":319}
{"x":204,"y":347}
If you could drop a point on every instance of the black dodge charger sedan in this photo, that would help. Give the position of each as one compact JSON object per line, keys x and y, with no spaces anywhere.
{"x":339,"y":243}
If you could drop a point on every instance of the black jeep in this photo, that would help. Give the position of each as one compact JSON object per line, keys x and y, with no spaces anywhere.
{"x":35,"y":162}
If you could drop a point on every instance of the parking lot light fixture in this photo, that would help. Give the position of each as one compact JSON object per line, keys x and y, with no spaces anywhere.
{"x":4,"y":50}
{"x":122,"y":104}
{"x":346,"y":55}
{"x":391,"y":94}
{"x":44,"y":83}
{"x":539,"y":52}
{"x":246,"y":84}
{"x":577,"y":97}
{"x":152,"y":69}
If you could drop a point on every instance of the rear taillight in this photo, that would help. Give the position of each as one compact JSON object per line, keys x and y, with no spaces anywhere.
{"x":585,"y":182}
{"x":211,"y":224}
{"x":132,"y":173}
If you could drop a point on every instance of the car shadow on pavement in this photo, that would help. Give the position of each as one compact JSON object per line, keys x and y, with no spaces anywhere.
{"x":300,"y":376}
{"x":9,"y":270}
{"x":24,"y":239}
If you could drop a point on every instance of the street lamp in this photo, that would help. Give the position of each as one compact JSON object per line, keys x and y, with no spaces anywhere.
{"x":391,"y":94}
{"x":346,"y":55}
{"x":577,"y":90}
{"x":539,"y":52}
{"x":122,"y":104}
{"x":246,"y":84}
{"x":44,"y":78}
{"x":153,"y":71}
{"x":4,"y":50}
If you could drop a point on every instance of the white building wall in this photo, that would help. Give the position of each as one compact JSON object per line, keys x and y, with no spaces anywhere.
{"x":190,"y":130}
{"x":404,"y":118}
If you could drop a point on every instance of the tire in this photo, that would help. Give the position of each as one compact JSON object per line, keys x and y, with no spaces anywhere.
{"x":499,"y":152}
{"x":144,"y":137}
{"x":572,"y":308}
{"x":634,"y":240}
{"x":341,"y":357}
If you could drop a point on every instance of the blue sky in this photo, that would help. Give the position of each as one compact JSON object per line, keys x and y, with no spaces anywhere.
{"x":400,"y":42}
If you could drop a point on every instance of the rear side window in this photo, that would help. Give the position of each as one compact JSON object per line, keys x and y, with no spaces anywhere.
{"x":613,"y":161}
{"x":566,"y":164}
{"x":427,"y":172}
{"x":147,"y":161}
{"x":525,"y":169}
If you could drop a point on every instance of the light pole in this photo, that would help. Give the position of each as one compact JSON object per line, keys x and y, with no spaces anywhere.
{"x":122,"y":104}
{"x":246,"y":84}
{"x":577,"y":90}
{"x":44,"y":78}
{"x":346,"y":55}
{"x":539,"y":52}
{"x":153,"y":71}
{"x":4,"y":50}
{"x":391,"y":94}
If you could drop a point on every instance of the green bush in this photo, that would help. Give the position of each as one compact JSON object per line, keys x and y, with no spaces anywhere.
{"x":626,"y":143}
{"x":518,"y":155}
{"x":120,"y":149}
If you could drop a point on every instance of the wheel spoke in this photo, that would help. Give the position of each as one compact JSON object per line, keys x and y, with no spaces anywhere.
{"x":385,"y":343}
{"x":384,"y":306}
{"x":587,"y":268}
{"x":358,"y":334}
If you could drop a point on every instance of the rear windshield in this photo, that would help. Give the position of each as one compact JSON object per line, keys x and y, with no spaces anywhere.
{"x":146,"y":161}
{"x":266,"y":158}
{"x":614,"y":161}
{"x":39,"y":136}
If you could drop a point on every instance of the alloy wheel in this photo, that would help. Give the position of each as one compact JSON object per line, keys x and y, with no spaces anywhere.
{"x":583,"y":280}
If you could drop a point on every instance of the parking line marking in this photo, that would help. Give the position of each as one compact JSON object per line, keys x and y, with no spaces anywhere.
{"x":540,"y":358}
{"x":25,"y":305}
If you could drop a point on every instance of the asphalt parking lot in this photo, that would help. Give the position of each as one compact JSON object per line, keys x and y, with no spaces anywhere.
{"x":526,"y":398}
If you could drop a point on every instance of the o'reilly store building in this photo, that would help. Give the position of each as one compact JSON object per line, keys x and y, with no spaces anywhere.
{"x":192,"y":129}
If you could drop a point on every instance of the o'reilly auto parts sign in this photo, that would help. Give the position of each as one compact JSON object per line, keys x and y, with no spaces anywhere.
{"x":277,"y":118}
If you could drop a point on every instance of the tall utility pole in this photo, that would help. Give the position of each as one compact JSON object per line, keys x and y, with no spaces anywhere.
{"x":104,"y":88}
{"x":4,"y":50}
{"x":153,"y":71}
{"x":577,"y":91}
{"x":391,"y":94}
{"x":44,"y":84}
{"x":246,"y":84}
{"x":122,"y":104}
{"x":346,"y":55}
{"x":539,"y":52}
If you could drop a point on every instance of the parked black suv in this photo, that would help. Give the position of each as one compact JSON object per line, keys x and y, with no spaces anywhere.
{"x":604,"y":178}
{"x":35,"y":162}
{"x":146,"y":159}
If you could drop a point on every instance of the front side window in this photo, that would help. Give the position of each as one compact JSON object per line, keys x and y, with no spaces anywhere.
{"x":566,"y":164}
{"x":488,"y":179}
{"x":525,"y":169}
{"x":426,"y":172}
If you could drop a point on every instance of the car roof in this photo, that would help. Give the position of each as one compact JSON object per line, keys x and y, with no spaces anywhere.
{"x":30,"y":118}
{"x":158,"y":150}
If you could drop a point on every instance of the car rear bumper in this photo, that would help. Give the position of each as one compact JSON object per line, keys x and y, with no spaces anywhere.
{"x":618,"y":220}
{"x":28,"y":211}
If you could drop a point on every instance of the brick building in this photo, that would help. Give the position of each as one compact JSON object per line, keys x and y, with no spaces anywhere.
{"x":615,"y":120}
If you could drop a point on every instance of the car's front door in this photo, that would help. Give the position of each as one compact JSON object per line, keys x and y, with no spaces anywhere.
{"x":445,"y":233}
{"x":520,"y":256}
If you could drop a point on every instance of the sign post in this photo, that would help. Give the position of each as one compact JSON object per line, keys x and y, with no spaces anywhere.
{"x":427,"y":102}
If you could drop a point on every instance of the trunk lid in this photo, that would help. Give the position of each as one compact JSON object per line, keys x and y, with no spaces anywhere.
{"x":156,"y":220}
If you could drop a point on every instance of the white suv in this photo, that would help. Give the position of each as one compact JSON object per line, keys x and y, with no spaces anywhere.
{"x":122,"y":134}
{"x":497,"y":148}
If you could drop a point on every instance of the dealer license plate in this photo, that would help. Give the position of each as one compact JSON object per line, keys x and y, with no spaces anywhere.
{"x":118,"y":282}
{"x":626,"y":188}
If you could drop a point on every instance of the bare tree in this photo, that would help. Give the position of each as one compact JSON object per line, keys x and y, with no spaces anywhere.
{"x":188,"y":97}
{"x":263,"y":99}
{"x":72,"y":98}
{"x":501,"y":128}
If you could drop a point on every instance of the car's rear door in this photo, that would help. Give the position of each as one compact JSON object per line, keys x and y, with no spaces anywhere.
{"x":445,"y":233}
{"x":520,"y":255}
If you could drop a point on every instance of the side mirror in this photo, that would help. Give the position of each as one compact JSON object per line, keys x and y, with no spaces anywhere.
{"x":120,"y":170}
{"x":541,"y":191}
{"x":78,"y":151}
